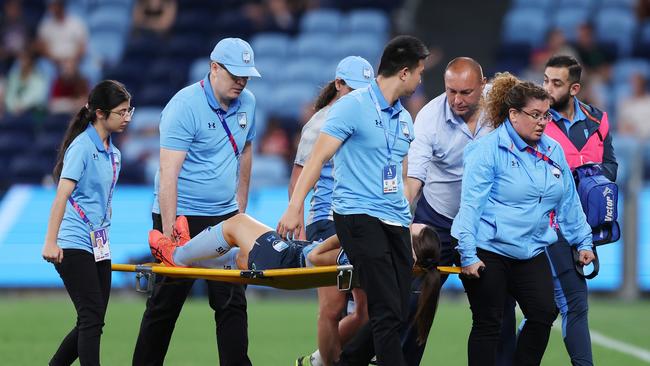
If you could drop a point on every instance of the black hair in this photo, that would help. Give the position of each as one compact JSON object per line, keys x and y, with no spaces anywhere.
{"x":401,"y":52}
{"x":575,"y":70}
{"x":105,"y":96}
{"x":426,"y":246}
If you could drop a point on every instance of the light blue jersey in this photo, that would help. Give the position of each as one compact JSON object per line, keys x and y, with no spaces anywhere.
{"x":360,"y":161}
{"x":207,"y":181}
{"x":87,"y":162}
{"x":508,"y":196}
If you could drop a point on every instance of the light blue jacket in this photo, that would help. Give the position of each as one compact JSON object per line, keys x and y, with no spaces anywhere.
{"x":508,"y":195}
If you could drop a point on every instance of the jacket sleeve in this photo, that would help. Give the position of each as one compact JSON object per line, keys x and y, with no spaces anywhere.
{"x":610,"y":166}
{"x":478,"y":176}
{"x":571,"y":219}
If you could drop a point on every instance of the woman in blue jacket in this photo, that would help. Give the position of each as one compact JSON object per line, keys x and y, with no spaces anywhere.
{"x":517,"y":188}
{"x":77,"y":239}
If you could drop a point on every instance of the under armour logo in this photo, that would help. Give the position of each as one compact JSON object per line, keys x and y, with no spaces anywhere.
{"x":379,"y":123}
{"x":212,"y":125}
{"x":95,"y":156}
{"x":514,"y":164}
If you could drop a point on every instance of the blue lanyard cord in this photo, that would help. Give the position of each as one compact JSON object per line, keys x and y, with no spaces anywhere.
{"x":81,"y":212}
{"x":386,"y":126}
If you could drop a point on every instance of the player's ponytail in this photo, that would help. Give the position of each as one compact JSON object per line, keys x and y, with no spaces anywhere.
{"x":427,"y":249}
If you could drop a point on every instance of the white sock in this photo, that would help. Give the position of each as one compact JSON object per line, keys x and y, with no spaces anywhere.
{"x":316,"y":359}
{"x":210,"y":243}
{"x":226,"y":261}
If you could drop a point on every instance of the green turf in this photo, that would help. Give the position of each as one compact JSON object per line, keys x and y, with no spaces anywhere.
{"x":280,"y":330}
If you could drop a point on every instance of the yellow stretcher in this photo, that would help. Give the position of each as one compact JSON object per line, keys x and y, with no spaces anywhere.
{"x":287,"y":279}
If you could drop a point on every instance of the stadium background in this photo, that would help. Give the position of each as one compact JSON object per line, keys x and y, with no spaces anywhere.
{"x":297,"y":44}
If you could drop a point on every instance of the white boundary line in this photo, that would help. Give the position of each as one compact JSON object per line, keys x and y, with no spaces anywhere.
{"x":622,"y":347}
{"x":11,"y":206}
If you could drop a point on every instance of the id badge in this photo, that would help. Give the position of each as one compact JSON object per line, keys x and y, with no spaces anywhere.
{"x":101,"y":248}
{"x":390,"y":178}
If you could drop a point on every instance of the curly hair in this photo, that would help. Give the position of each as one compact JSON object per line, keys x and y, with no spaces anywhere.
{"x":509,"y":92}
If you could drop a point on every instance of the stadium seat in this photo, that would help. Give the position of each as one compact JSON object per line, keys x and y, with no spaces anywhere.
{"x":262,"y":90}
{"x":198,"y":69}
{"x":146,"y":118}
{"x":539,"y":4}
{"x":579,"y":4}
{"x":321,"y":21}
{"x":291,"y":99}
{"x":270,"y":45}
{"x":270,"y":68}
{"x":568,"y":21}
{"x":367,"y":21}
{"x":29,"y":168}
{"x":623,"y":4}
{"x":525,"y":26}
{"x":642,"y":45}
{"x":91,"y":70}
{"x":617,"y":26}
{"x":107,"y":47}
{"x":308,"y":70}
{"x":47,"y":143}
{"x":155,"y":94}
{"x":368,"y":46}
{"x":313,"y":45}
{"x":99,"y":21}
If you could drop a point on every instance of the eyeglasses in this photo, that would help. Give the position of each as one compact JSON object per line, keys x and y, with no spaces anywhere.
{"x":234,"y":77}
{"x":125,"y":112}
{"x":539,"y":117}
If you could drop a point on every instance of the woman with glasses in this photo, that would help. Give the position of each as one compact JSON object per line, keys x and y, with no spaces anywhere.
{"x":517,"y":189}
{"x":77,"y":240}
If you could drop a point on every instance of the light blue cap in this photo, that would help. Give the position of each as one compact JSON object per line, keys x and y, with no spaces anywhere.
{"x":236,"y":55}
{"x":355,"y":71}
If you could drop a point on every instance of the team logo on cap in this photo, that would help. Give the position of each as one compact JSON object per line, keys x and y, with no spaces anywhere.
{"x":367,"y":73}
{"x":242,"y":120}
{"x":246,"y":56}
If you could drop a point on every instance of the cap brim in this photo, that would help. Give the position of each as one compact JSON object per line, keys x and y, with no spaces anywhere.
{"x":243,"y":71}
{"x":355,"y":84}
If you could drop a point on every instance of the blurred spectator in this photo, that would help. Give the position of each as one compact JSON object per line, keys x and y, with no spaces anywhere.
{"x":62,"y":36}
{"x":589,"y":52}
{"x":26,"y":86}
{"x":69,"y":90}
{"x":643,"y":10}
{"x":155,"y":16}
{"x":556,"y":44}
{"x":275,"y":141}
{"x":14,"y":34}
{"x":633,"y":112}
{"x":274,"y":15}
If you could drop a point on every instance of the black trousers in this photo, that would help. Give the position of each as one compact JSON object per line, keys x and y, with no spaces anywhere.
{"x":530,"y":283}
{"x":449,"y":256}
{"x":381,"y":255}
{"x":163,"y":307}
{"x":89,"y":285}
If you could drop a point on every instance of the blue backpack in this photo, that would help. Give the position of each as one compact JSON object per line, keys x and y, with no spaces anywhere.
{"x":599,"y":198}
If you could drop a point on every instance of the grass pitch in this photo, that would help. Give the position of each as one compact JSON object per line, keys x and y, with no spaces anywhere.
{"x":280,"y":330}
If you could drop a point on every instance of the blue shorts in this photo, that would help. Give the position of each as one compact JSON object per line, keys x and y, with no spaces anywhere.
{"x":270,"y":251}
